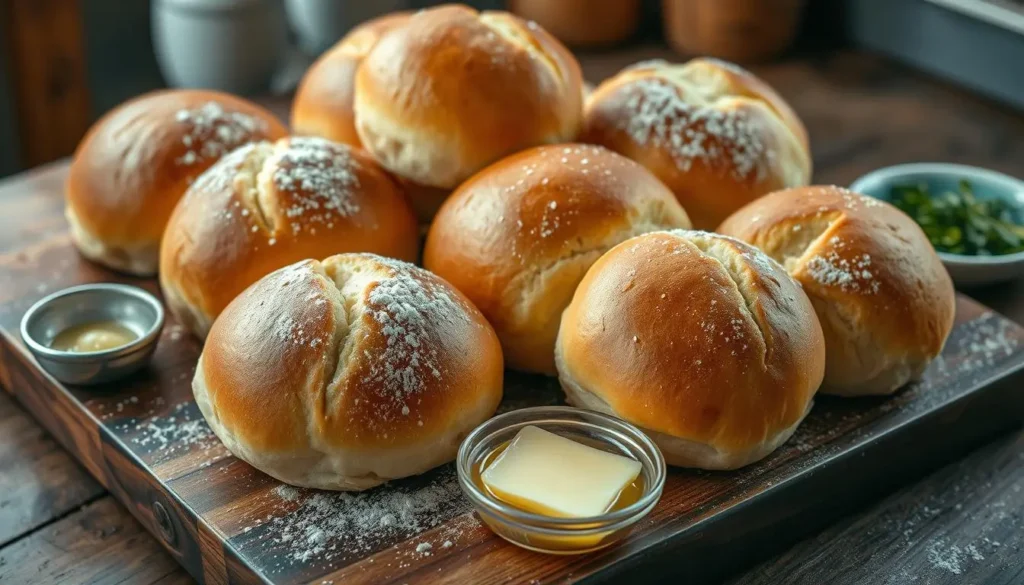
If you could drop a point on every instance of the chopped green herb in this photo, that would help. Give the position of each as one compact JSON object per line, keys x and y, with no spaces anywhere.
{"x":959,"y":223}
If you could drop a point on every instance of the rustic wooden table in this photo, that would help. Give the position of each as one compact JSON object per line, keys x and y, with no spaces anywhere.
{"x":962,"y":524}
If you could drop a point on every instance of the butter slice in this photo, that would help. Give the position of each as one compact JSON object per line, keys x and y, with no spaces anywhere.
{"x":547,"y":474}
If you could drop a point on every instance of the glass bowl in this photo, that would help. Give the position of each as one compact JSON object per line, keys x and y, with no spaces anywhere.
{"x":561,"y":535}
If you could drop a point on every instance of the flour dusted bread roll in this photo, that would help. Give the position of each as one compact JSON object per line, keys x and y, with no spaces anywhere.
{"x":452,"y":90}
{"x":136,"y":162}
{"x":518,"y":237}
{"x":718,"y":136}
{"x":323,"y":100}
{"x":347,"y":373}
{"x":884,"y":299}
{"x":700,"y":339}
{"x":267,"y":205}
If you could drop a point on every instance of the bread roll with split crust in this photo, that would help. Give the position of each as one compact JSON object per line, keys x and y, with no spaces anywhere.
{"x":137,"y":161}
{"x":453,"y":90}
{"x":884,"y":299}
{"x":323,"y":100}
{"x":347,"y":373}
{"x":267,"y":205}
{"x":701,"y":340}
{"x":718,"y":136}
{"x":518,"y":237}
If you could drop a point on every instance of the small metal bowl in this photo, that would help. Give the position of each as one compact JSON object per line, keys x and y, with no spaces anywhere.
{"x":133,"y":307}
{"x":965,"y":270}
{"x":561,"y":536}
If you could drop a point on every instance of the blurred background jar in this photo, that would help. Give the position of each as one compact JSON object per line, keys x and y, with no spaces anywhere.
{"x":318,"y":24}
{"x":582,"y":23}
{"x":230,"y":45}
{"x":736,"y":30}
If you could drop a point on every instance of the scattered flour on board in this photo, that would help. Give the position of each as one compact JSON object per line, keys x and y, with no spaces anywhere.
{"x":319,"y":177}
{"x":181,"y":431}
{"x":948,"y":557}
{"x":984,"y":343}
{"x":328,"y":525}
{"x":695,"y":133}
{"x":214,"y":131}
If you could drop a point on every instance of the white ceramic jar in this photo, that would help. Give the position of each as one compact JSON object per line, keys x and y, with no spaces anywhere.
{"x":230,"y":45}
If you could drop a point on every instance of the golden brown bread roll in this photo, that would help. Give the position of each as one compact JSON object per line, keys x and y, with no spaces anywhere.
{"x":714,"y":133}
{"x":700,"y":339}
{"x":518,"y":236}
{"x":323,"y":100}
{"x":881,"y":293}
{"x":346,"y":373}
{"x":136,"y":162}
{"x":453,"y":90}
{"x":267,"y":205}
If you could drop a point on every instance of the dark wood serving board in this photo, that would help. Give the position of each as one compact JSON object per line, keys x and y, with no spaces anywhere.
{"x":145,"y":440}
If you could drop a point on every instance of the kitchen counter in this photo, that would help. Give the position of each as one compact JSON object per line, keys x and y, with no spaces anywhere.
{"x":961,"y":524}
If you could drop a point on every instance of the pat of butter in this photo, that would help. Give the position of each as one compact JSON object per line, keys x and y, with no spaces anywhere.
{"x":547,"y":474}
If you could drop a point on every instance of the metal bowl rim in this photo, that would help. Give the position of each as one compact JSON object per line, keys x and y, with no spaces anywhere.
{"x":141,"y":344}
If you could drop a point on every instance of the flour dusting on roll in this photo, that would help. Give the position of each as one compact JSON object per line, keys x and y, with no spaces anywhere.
{"x":346,"y":373}
{"x":700,"y":339}
{"x":718,"y":136}
{"x":137,"y":161}
{"x":267,"y":205}
{"x":885,"y":301}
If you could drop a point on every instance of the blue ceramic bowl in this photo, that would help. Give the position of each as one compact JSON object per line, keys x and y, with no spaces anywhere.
{"x":939,"y":177}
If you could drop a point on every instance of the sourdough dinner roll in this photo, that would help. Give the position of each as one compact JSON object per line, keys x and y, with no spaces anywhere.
{"x":718,"y":136}
{"x":323,"y":101}
{"x":452,"y":90}
{"x":136,"y":162}
{"x":267,"y":205}
{"x":883,"y":297}
{"x":518,"y":237}
{"x":700,"y":339}
{"x":347,"y":373}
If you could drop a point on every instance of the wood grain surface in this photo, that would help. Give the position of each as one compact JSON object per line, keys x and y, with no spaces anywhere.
{"x":116,"y":550}
{"x":48,"y":80}
{"x":39,"y":479}
{"x":34,"y":224}
{"x":963,"y":525}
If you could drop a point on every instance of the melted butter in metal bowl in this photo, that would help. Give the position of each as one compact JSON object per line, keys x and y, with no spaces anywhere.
{"x":96,"y":336}
{"x":93,"y":333}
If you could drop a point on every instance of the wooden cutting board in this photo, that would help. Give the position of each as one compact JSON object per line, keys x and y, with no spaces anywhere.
{"x":225,"y":522}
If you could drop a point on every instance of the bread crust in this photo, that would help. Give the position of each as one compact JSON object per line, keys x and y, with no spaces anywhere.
{"x":323,"y":101}
{"x":884,"y":299}
{"x":453,"y":90}
{"x":714,"y":133}
{"x":517,"y":237}
{"x":137,"y":161}
{"x":700,"y":339}
{"x":349,"y":372}
{"x":267,"y":205}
